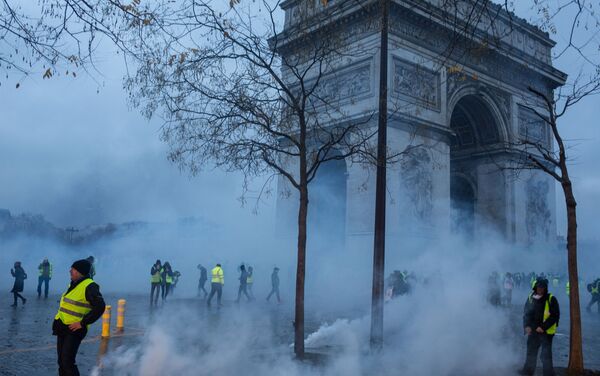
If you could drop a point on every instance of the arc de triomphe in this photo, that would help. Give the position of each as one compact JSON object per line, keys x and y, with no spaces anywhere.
{"x":468,"y":108}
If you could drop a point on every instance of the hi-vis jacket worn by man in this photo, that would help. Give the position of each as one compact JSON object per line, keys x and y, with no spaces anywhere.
{"x":80,"y":306}
{"x":216,"y":286}
{"x":540,"y":320}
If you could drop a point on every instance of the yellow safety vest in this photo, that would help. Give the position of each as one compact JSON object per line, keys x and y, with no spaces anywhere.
{"x":552,"y":329}
{"x":568,"y":288}
{"x":41,"y":270}
{"x":168,"y":278}
{"x":249,"y":280}
{"x":217,"y":275}
{"x":73,"y":305}
{"x":156,"y":278}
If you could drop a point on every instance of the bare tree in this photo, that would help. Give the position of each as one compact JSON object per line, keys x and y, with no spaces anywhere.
{"x":578,"y":20}
{"x":236,"y":91}
{"x":540,"y":155}
{"x":60,"y":36}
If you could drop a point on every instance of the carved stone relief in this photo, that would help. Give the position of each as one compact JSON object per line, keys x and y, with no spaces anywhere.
{"x":343,"y":85}
{"x":417,"y":182}
{"x":532,"y":127}
{"x":538,"y":218}
{"x":417,"y":82}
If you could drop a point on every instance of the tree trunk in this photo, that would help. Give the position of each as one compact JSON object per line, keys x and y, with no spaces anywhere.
{"x":300,"y":273}
{"x":575,"y":349}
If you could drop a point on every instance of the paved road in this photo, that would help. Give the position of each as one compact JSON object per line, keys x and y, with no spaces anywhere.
{"x":263,"y":330}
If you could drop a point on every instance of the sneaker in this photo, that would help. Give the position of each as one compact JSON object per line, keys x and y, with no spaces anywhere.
{"x":24,"y":300}
{"x":13,"y":305}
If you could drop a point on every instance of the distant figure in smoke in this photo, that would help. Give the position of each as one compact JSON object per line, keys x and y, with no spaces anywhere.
{"x":45,"y":275}
{"x":80,"y":306}
{"x":508,"y":288}
{"x":594,"y":289}
{"x":274,"y":285}
{"x":397,"y":284}
{"x":167,"y":276}
{"x":155,"y":281}
{"x":216,"y":286}
{"x":91,"y":260}
{"x":250,"y":281}
{"x":202,"y":280}
{"x":176,"y":276}
{"x":540,"y":320}
{"x":243,"y":284}
{"x":494,"y":294}
{"x":20,"y":277}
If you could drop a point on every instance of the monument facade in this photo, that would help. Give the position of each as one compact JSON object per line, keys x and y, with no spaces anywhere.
{"x":459,"y":109}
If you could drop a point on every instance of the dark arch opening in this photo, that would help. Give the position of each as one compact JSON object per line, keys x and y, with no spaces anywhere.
{"x":473,"y":123}
{"x":462,"y":206}
{"x":327,"y":206}
{"x":474,"y":127}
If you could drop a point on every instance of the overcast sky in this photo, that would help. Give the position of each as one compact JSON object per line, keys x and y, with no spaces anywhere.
{"x":72,"y":150}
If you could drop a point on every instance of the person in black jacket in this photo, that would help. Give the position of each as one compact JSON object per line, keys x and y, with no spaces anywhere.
{"x":243,"y":284}
{"x":274,"y":285}
{"x":20,"y":277}
{"x":70,"y":325}
{"x":540,"y":320}
{"x":202,"y":280}
{"x":594,"y":289}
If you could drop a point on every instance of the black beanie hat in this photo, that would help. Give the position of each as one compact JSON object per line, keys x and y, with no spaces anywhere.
{"x":82,"y":266}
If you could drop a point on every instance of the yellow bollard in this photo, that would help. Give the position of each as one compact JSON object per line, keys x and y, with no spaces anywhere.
{"x":106,"y":322}
{"x":120,"y":315}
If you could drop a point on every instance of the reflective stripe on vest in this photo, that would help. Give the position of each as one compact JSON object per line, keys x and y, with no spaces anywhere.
{"x":73,"y":305}
{"x":552,"y":329}
{"x":217,"y":275}
{"x":568,"y":288}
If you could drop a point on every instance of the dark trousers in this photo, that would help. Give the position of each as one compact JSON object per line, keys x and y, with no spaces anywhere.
{"x":66,"y":347}
{"x":167,"y":290}
{"x":17,"y":295}
{"x":274,"y":290}
{"x":534,"y":342}
{"x":595,"y":300}
{"x":46,"y":282}
{"x":163,"y":289}
{"x":154,"y":290}
{"x":201,"y":287}
{"x":215,"y":288}
{"x":243,"y":289}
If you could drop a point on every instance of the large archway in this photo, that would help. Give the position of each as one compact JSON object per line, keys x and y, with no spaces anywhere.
{"x":476,"y":183}
{"x":327,"y":206}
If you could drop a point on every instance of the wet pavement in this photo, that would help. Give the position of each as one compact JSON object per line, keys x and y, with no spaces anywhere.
{"x":28,"y":348}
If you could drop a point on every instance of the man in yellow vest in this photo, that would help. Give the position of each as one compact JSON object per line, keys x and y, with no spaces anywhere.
{"x":80,"y":306}
{"x":216,"y":286}
{"x":45,"y":275}
{"x":155,"y":282}
{"x":540,"y":320}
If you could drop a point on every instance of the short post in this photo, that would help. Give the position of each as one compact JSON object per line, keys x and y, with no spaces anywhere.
{"x":106,"y":322}
{"x":120,"y":315}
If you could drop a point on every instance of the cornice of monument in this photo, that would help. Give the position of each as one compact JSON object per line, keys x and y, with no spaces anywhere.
{"x":343,"y":12}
